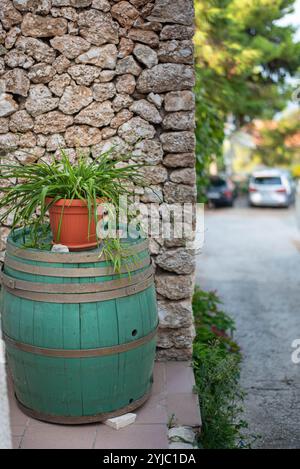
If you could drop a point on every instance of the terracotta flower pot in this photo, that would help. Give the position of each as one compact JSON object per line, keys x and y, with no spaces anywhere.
{"x":72,"y":217}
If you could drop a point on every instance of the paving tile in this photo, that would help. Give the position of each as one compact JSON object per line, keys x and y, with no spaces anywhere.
{"x":185,"y":408}
{"x":41,"y":435}
{"x":171,"y":394}
{"x":133,"y":437}
{"x":9,"y":381}
{"x":180,"y":377}
{"x":18,"y":430}
{"x":153,"y":411}
{"x":159,"y":378}
{"x":17,"y":418}
{"x":16,"y":442}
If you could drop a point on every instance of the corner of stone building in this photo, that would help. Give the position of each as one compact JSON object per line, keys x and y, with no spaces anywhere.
{"x":90,"y":74}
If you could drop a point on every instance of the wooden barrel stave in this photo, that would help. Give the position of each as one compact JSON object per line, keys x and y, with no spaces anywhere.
{"x":49,"y":324}
{"x":80,"y":384}
{"x":85,"y":389}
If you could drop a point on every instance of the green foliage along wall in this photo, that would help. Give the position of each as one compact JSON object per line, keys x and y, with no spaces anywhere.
{"x":244,"y":61}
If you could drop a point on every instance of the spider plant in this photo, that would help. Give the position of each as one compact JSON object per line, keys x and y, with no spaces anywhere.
{"x":118,"y":254}
{"x":104,"y":177}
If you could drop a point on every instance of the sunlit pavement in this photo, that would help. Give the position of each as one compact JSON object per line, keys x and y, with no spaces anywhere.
{"x":252,"y":257}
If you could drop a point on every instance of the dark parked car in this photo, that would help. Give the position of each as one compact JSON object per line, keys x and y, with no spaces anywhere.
{"x":221,"y":192}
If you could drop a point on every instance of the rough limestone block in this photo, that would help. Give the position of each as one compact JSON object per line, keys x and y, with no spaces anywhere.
{"x":173,"y":11}
{"x":181,"y":446}
{"x":121,"y":422}
{"x":182,"y":434}
{"x":59,"y":248}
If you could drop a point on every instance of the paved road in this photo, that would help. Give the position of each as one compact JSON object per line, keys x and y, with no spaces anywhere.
{"x":252,"y":257}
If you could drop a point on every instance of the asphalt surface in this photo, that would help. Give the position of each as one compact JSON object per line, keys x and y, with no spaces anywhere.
{"x":252,"y":257}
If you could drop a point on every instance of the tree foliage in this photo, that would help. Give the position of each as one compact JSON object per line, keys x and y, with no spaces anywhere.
{"x":244,"y":59}
{"x":209,"y":135}
{"x":280,"y":146}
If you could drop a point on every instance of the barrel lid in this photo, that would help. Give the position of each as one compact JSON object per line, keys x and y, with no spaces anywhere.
{"x":21,"y":238}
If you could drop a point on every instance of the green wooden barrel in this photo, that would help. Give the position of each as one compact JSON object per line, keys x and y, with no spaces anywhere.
{"x":80,"y":339}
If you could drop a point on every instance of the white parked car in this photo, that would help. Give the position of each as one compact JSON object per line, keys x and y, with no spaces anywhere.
{"x":271,"y":188}
{"x":298,"y":204}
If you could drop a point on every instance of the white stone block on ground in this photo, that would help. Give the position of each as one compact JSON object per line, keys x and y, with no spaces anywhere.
{"x":121,"y":422}
{"x":59,"y":248}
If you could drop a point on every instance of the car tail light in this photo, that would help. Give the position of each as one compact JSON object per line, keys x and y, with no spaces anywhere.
{"x":227,"y":193}
{"x":252,"y":189}
{"x":282,"y":190}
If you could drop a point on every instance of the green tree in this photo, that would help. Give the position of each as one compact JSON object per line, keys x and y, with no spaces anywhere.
{"x":209,"y":135}
{"x":245,"y":56}
{"x":244,"y":59}
{"x":280,"y":146}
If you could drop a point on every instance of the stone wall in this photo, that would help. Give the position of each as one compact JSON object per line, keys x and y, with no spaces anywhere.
{"x":88,"y":74}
